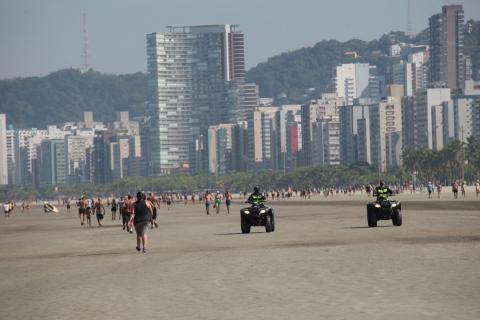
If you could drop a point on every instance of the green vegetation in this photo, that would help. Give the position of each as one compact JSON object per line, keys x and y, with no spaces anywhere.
{"x":308,"y":177}
{"x":64,"y":95}
{"x":447,"y":164}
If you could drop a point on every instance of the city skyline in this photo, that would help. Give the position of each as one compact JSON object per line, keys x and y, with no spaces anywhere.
{"x":36,"y":42}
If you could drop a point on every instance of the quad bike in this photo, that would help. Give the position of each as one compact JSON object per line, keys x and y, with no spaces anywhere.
{"x":257,"y":215}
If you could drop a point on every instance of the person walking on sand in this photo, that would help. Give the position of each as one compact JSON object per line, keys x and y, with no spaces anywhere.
{"x":218,"y":201}
{"x":462,"y":188}
{"x":82,"y":210}
{"x":208,"y":199}
{"x":142,"y":214}
{"x":88,"y":211}
{"x":430,"y":189}
{"x":477,"y":188}
{"x":228,"y":200}
{"x":439,"y":189}
{"x":113,"y":208}
{"x":455,"y":189}
{"x":99,"y":211}
{"x":154,"y":203}
{"x":129,"y":204}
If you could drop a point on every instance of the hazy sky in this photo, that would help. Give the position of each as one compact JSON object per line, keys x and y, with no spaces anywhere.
{"x":41,"y":36}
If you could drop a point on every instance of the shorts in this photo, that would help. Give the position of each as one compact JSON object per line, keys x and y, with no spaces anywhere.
{"x":99,"y":216}
{"x":141,"y":228}
{"x":207,"y":204}
{"x":227,"y":202}
{"x":154,"y":215}
{"x":81,"y":210}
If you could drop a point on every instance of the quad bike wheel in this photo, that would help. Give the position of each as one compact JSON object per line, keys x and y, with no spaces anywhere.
{"x":371,"y":218}
{"x":397,"y":218}
{"x":244,"y":225}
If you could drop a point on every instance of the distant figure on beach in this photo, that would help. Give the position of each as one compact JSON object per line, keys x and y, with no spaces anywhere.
{"x":208,"y":199}
{"x":113,"y":209}
{"x":82,"y":210}
{"x":430,"y":189}
{"x":99,"y":211}
{"x":129,"y":204}
{"x":455,"y":189}
{"x":88,"y":212}
{"x":218,"y":201}
{"x":228,"y":200}
{"x":141,"y":216}
{"x":154,"y":203}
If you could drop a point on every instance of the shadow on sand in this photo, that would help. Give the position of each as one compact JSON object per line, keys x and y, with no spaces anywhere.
{"x":235,"y":233}
{"x":366,"y":227}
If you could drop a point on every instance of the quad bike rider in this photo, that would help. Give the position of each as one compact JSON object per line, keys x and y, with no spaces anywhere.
{"x":257,"y":214}
{"x":383,"y":208}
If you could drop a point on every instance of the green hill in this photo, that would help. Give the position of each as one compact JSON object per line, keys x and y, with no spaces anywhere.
{"x":64,"y":95}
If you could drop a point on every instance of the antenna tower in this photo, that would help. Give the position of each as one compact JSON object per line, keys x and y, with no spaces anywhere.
{"x":85,"y":54}
{"x":409,"y":19}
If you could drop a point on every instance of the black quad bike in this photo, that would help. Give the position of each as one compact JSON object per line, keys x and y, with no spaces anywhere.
{"x":257,"y":215}
{"x":384,"y":210}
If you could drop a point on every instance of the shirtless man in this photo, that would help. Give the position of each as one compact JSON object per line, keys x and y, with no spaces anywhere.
{"x":228,"y":200}
{"x":129,"y":203}
{"x":88,"y":211}
{"x":154,"y":204}
{"x":99,"y":211}
{"x":82,"y":210}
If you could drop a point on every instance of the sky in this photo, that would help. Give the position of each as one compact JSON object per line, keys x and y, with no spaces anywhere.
{"x":41,"y":36}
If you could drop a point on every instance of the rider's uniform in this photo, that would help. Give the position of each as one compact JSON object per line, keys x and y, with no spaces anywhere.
{"x":383,"y":192}
{"x":256,"y":199}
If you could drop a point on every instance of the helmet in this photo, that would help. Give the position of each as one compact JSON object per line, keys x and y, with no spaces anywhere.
{"x":256,"y":189}
{"x":382,"y":183}
{"x":140,"y":195}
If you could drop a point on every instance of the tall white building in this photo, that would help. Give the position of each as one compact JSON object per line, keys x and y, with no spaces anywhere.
{"x":189,"y":72}
{"x":3,"y":150}
{"x":386,"y":133}
{"x":425,"y":101}
{"x":358,"y":80}
{"x":262,"y":138}
{"x":352,"y":81}
{"x":11,"y":157}
{"x":326,"y":141}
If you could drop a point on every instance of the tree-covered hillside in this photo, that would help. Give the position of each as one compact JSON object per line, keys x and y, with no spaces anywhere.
{"x":294,"y":72}
{"x":64,"y":95}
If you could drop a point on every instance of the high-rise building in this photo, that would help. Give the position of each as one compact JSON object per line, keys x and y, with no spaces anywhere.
{"x":355,"y":132}
{"x":424,"y":101}
{"x":262,"y":139}
{"x":385,"y":133}
{"x":326,"y":141}
{"x":88,"y":119}
{"x":11,"y":156}
{"x":289,"y":135}
{"x":190,"y":69}
{"x":352,"y":81}
{"x":358,"y":80}
{"x":52,"y":162}
{"x":447,"y":60}
{"x":3,"y":150}
{"x":409,"y":119}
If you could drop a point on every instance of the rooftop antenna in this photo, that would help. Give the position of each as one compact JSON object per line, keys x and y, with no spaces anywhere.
{"x":85,"y":54}
{"x":409,"y":20}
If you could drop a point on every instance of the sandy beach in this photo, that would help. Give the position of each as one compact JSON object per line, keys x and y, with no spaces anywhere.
{"x":322,"y":262}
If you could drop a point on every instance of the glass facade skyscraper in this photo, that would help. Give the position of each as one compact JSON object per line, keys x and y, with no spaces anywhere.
{"x":190,"y":70}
